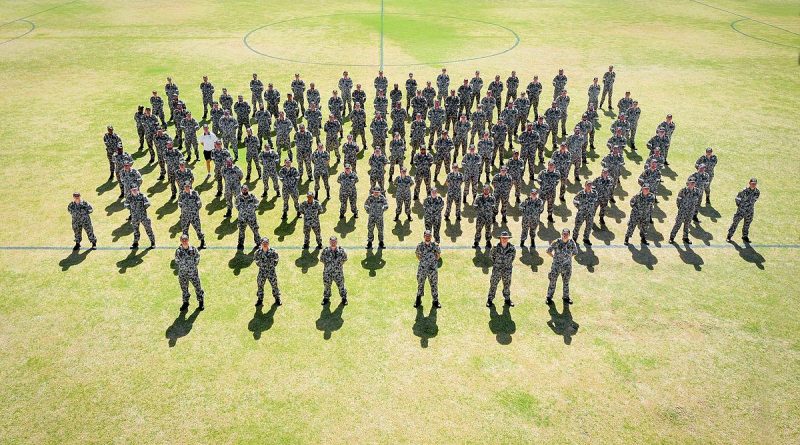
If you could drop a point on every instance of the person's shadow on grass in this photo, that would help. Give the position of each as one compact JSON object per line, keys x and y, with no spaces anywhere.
{"x":329,"y":322}
{"x":373,"y":261}
{"x":73,"y":259}
{"x":562,"y":324}
{"x":261,"y":321}
{"x":180,"y":327}
{"x":134,"y":258}
{"x":502,"y":325}
{"x":749,"y":254}
{"x":425,"y":327}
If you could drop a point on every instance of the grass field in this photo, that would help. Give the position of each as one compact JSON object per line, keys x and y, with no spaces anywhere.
{"x":664,"y":345}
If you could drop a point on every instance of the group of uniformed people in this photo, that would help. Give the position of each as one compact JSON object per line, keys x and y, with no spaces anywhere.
{"x":430,"y":112}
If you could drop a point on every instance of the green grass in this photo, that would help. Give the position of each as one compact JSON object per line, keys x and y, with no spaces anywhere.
{"x":662,"y":346}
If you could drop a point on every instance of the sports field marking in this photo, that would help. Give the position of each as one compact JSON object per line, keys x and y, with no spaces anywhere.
{"x":30,"y":30}
{"x":37,"y":13}
{"x":744,"y":18}
{"x":733,"y":26}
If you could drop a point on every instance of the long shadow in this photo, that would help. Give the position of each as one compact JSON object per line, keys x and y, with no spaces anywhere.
{"x":562,"y":210}
{"x":643,"y":256}
{"x":148,"y":168}
{"x":658,"y":214}
{"x":241,"y":261}
{"x":134,"y":258}
{"x":697,"y":231}
{"x":502,"y":325}
{"x":609,"y":113}
{"x":655,"y":236}
{"x":226,"y":227}
{"x":548,"y":233}
{"x":614,"y":212}
{"x":261,"y":321}
{"x":709,"y":212}
{"x":482,"y":260}
{"x":634,"y":156}
{"x":402,"y":229}
{"x":307,"y":260}
{"x":586,"y":257}
{"x":531,"y":258}
{"x":603,"y":234}
{"x":425,"y":327}
{"x":114,"y":207}
{"x":180,"y":327}
{"x":73,"y":259}
{"x":620,"y":193}
{"x":668,"y":172}
{"x":373,"y":261}
{"x":124,"y":230}
{"x":749,"y":254}
{"x":175,"y":229}
{"x":330,"y":322}
{"x":452,"y":230}
{"x":267,"y":204}
{"x":562,"y":324}
{"x":345,"y":226}
{"x":215,"y":205}
{"x":285,"y":228}
{"x":689,"y":256}
{"x":157,"y":187}
{"x":206,"y":185}
{"x":105,"y":187}
{"x":167,"y":208}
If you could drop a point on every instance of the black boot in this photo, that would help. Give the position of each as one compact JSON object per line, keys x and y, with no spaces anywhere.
{"x":201,"y":306}
{"x":185,"y":306}
{"x":687,"y":241}
{"x":77,"y":246}
{"x":228,"y":213}
{"x":644,"y":242}
{"x":418,"y":301}
{"x":436,"y":304}
{"x":259,"y":302}
{"x":344,"y":301}
{"x":202,"y":244}
{"x":746,"y":239}
{"x":489,"y":303}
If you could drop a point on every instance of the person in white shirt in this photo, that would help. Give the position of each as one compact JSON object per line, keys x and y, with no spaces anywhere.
{"x":207,"y":139}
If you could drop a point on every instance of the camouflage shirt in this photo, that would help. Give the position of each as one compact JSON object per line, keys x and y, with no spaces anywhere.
{"x":377,"y":164}
{"x":423,"y":162}
{"x":187,"y":260}
{"x":266,"y":259}
{"x":428,"y":254}
{"x":432,"y":208}
{"x":290,"y":178}
{"x":310,"y":211}
{"x":512,"y":83}
{"x":346,"y":87}
{"x":484,"y":207}
{"x":403,"y":187}
{"x":501,"y":185}
{"x":548,"y":181}
{"x":322,"y":162}
{"x":375,"y":206}
{"x":642,"y":206}
{"x":454,"y":181}
{"x":534,"y":89}
{"x":347,"y":183}
{"x":746,"y":199}
{"x":503,"y":257}
{"x":562,"y":251}
{"x":207,"y":89}
{"x":246,"y":205}
{"x":190,"y":204}
{"x":532,"y":208}
{"x":358,"y":118}
{"x":472,"y":164}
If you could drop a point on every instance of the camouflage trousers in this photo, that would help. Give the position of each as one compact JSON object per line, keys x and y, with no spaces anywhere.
{"x":194,"y":278}
{"x":287,"y":195}
{"x":265,"y":179}
{"x":307,"y":228}
{"x":194,"y":221}
{"x":487,"y":167}
{"x":550,"y":198}
{"x":160,"y":114}
{"x":459,"y":142}
{"x":304,"y":163}
{"x":230,"y":194}
{"x":434,"y":131}
{"x":529,"y":226}
{"x":553,"y":133}
{"x":162,"y":164}
{"x":528,"y":156}
{"x":360,"y":132}
{"x":173,"y":182}
{"x":641,"y":222}
{"x":345,"y":198}
{"x":377,"y":180}
{"x":395,"y":160}
{"x":432,"y":276}
{"x":472,"y":181}
{"x":191,"y":142}
{"x":252,"y":157}
{"x":261,"y":279}
{"x":263,"y":133}
{"x":602,"y":204}
{"x":140,"y":130}
{"x":332,"y":145}
{"x":608,"y":91}
{"x":442,"y":159}
{"x":79,"y":226}
{"x":110,"y":155}
{"x":229,"y":141}
{"x":565,"y":272}
{"x":483,"y":225}
{"x":321,"y":177}
{"x":501,"y":203}
{"x":453,"y":198}
{"x":148,"y":228}
{"x":253,"y":224}
{"x":256,"y":100}
{"x":500,"y":274}
{"x":403,"y":201}
{"x":328,"y":279}
{"x":434,"y":224}
{"x":217,"y":177}
{"x":283,"y":142}
{"x":535,"y":106}
{"x":738,"y":216}
{"x":419,"y":180}
{"x":372,"y":223}
{"x":243,"y":123}
{"x":683,"y":219}
{"x":585,"y":219}
{"x":149,"y":139}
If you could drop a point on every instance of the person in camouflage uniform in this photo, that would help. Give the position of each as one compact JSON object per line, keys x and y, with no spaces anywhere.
{"x":486,"y":151}
{"x":442,"y":84}
{"x":311,"y":209}
{"x":333,"y":129}
{"x":516,"y":168}
{"x":622,"y":124}
{"x":559,"y":83}
{"x":585,"y":127}
{"x":130,"y":179}
{"x":701,"y":178}
{"x":273,"y":98}
{"x":451,"y":105}
{"x":419,"y":105}
{"x":745,"y":210}
{"x":157,"y":105}
{"x":641,"y":214}
{"x":485,"y":208}
{"x":397,"y":153}
{"x":661,"y":141}
{"x":347,"y":191}
{"x":529,"y":140}
{"x":360,"y":96}
{"x":534,"y":90}
{"x":548,"y":180}
{"x":563,"y":161}
{"x":173,"y":159}
{"x":509,"y":117}
{"x":207,"y":90}
{"x":399,"y":116}
{"x":220,"y":158}
{"x":575,"y":143}
{"x":395,"y":96}
{"x":512,"y":83}
{"x":523,"y":108}
{"x":81,"y":211}
{"x":453,"y":182}
{"x":290,"y":179}
{"x":118,"y":159}
{"x":656,"y":157}
{"x":190,"y":205}
{"x":402,"y":194}
{"x":465,"y":98}
{"x":111,"y":140}
{"x":543,"y":129}
{"x":160,"y":140}
{"x":184,"y":174}
{"x":350,"y":152}
{"x":552,"y":116}
{"x":242,"y":110}
{"x":531,"y":210}
{"x":593,"y":92}
{"x":501,"y":182}
{"x":270,"y":160}
{"x":322,"y":164}
{"x":233,"y":184}
{"x":138,"y":203}
{"x":256,"y":90}
{"x":710,"y":161}
{"x":617,"y":140}
{"x":562,"y":102}
{"x":432,"y":207}
{"x":333,"y":258}
{"x":478,"y":123}
{"x":592,"y":117}
{"x":302,"y":142}
{"x":624,"y":103}
{"x":138,"y":118}
{"x":380,"y":104}
{"x":187,"y":258}
{"x":669,"y":127}
{"x":496,"y":87}
{"x":429,"y":93}
{"x":585,"y":203}
{"x":226,"y":101}
{"x":475,"y":85}
{"x":418,"y":129}
{"x":179,"y":112}
{"x":428,"y":254}
{"x":283,"y":129}
{"x":687,"y":202}
{"x":381,"y":83}
{"x":561,"y":250}
{"x":314,"y":120}
{"x":190,"y":127}
{"x":460,"y":136}
{"x":336,"y":106}
{"x":298,"y":89}
{"x":246,"y":204}
{"x":377,"y":169}
{"x":472,"y":172}
{"x":652,"y":176}
{"x":266,"y":258}
{"x":292,"y":110}
{"x":346,"y":87}
{"x":379,"y":129}
{"x":614,"y":162}
{"x":422,"y":163}
{"x":488,"y":103}
{"x":442,"y":156}
{"x":411,"y":89}
{"x":375,"y":206}
{"x":436,"y":116}
{"x":604,"y":186}
{"x":608,"y":86}
{"x":502,"y":255}
{"x":313,"y":96}
{"x":264,"y":121}
{"x":150,"y":124}
{"x":227,"y":125}
{"x":499,"y":133}
{"x":252,"y":148}
{"x":632,"y":116}
{"x":358,"y":120}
